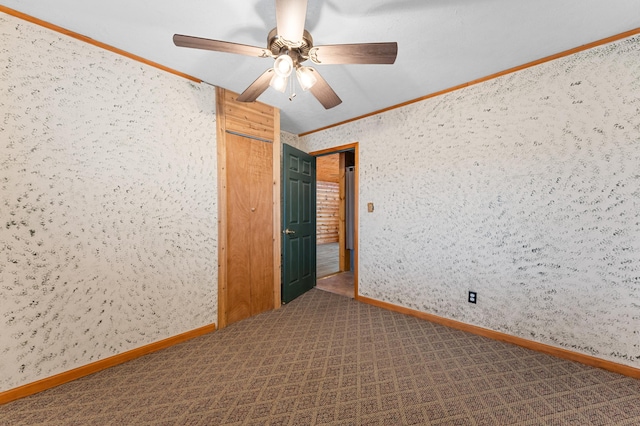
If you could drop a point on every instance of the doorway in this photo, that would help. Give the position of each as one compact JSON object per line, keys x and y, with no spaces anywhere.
{"x":336,"y":219}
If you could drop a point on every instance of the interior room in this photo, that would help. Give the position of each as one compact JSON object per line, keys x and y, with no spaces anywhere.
{"x":443,"y":228}
{"x":335,"y":222}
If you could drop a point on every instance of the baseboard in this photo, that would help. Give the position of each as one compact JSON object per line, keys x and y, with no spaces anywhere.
{"x":496,"y":335}
{"x":94,"y":367}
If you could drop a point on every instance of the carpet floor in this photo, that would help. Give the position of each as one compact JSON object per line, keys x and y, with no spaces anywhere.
{"x":330,"y":360}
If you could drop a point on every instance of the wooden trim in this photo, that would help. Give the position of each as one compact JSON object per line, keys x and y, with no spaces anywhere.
{"x":356,"y":204}
{"x":503,"y":337}
{"x":277,"y":240}
{"x":356,"y":219}
{"x":253,"y":120}
{"x":94,"y":367}
{"x":342,"y":209}
{"x":489,"y":77}
{"x":336,"y":149}
{"x":221,"y":143}
{"x":96,"y":43}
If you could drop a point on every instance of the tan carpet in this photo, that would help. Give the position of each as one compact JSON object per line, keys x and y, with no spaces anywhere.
{"x":327,"y":359}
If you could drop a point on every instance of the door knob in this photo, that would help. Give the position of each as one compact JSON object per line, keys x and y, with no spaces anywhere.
{"x":288,"y":232}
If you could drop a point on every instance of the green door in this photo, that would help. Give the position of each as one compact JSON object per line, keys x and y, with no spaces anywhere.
{"x":298,"y":223}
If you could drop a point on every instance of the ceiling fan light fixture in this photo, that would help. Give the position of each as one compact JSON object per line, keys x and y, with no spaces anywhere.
{"x":290,"y":45}
{"x":283,"y":65}
{"x":278,"y":82}
{"x":306,"y":77}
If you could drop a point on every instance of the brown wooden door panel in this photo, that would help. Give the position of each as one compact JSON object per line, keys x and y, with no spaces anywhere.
{"x":238,"y":229}
{"x":261,"y":194}
{"x":250,"y":227}
{"x":249,"y":201}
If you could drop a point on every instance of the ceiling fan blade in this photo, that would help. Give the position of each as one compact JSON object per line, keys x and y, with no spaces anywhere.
{"x":256,"y":89}
{"x":323,"y":92}
{"x":290,"y":19}
{"x":363,"y":53}
{"x":220,"y":46}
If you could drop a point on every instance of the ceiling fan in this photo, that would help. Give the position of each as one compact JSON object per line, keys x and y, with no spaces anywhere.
{"x":291,"y":45}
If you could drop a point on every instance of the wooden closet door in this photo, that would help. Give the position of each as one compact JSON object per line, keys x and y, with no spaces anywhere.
{"x":250,"y":227}
{"x":261,"y":165}
{"x":238,"y":229}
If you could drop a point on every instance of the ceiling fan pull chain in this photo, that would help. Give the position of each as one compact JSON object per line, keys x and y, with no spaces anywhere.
{"x":292,"y":88}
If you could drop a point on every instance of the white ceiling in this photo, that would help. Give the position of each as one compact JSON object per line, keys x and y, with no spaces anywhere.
{"x":441,"y":43}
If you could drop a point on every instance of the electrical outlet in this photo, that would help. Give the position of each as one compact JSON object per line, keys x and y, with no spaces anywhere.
{"x":473,"y":296}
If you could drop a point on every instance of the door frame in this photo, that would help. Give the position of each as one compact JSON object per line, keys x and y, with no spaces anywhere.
{"x":356,"y":202}
{"x":221,"y":148}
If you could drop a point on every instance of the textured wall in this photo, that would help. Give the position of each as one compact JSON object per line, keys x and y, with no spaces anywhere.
{"x":526,"y":189}
{"x":290,"y":139}
{"x":108,"y":204}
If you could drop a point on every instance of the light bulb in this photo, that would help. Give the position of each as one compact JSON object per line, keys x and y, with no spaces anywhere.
{"x":306,"y":77}
{"x":283,"y":65}
{"x":278,"y":82}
